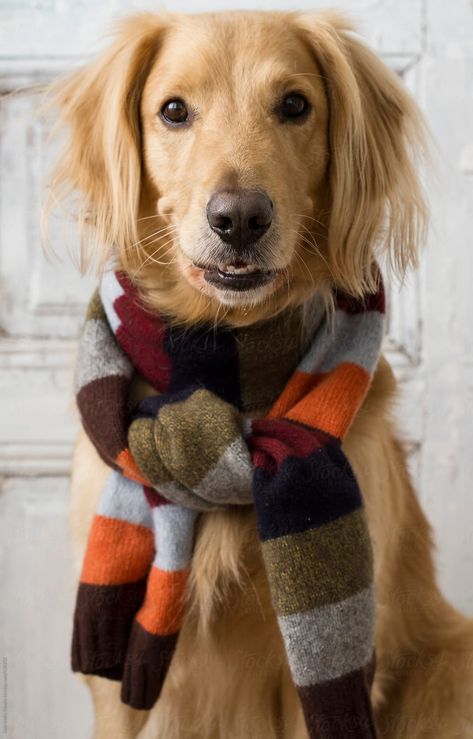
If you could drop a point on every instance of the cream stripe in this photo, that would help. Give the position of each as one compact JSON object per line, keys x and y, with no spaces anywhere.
{"x":125,"y":500}
{"x":110,"y":290}
{"x":174,"y":527}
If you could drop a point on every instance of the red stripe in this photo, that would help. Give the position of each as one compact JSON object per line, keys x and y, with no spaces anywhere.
{"x":154,"y":498}
{"x":369,"y":302}
{"x":274,"y":441}
{"x":141,"y":335}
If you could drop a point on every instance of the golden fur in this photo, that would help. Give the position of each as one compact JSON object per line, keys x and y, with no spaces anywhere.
{"x":345,"y":190}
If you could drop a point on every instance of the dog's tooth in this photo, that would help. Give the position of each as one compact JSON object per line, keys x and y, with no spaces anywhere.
{"x":232,"y":269}
{"x":247,"y":269}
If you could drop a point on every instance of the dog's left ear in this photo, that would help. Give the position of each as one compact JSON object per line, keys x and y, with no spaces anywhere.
{"x":375,"y":135}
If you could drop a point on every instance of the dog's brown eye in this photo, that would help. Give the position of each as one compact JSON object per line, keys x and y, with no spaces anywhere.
{"x":293,"y":106}
{"x":175,"y":112}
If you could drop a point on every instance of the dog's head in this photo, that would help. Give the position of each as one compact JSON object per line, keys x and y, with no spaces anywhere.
{"x":234,"y":161}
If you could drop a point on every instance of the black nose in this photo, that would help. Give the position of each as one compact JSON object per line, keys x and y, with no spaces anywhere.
{"x":239,"y":217}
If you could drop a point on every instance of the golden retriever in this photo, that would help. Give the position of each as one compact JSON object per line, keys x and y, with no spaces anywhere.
{"x":292,"y":108}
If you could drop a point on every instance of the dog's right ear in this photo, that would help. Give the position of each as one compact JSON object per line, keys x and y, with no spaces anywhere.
{"x":101,"y":161}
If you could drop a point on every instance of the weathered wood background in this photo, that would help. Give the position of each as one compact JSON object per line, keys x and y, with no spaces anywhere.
{"x":430,"y":43}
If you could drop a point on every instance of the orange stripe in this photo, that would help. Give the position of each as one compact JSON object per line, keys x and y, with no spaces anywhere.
{"x":130,"y":469}
{"x":117,"y":552}
{"x":163,"y":609}
{"x":297,"y":388}
{"x":332,"y":405}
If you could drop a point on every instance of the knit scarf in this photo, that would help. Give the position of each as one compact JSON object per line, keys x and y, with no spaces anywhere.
{"x":206,"y":440}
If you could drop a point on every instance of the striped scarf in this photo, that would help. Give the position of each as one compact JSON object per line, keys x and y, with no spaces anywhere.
{"x":205,"y":440}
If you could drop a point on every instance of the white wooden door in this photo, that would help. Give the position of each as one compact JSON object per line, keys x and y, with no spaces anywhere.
{"x":430,"y":43}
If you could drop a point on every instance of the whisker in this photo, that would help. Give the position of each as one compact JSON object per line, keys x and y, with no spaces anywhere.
{"x":163,"y":249}
{"x":312,"y":242}
{"x":311,"y":232}
{"x":147,"y":218}
{"x":301,"y":260}
{"x":287,"y":278}
{"x":215,"y":322}
{"x":142,"y":242}
{"x":152,"y":237}
{"x":302,"y":215}
{"x":151,"y":257}
{"x":311,"y":235}
{"x":165,"y":230}
{"x":157,"y":240}
{"x":314,"y":247}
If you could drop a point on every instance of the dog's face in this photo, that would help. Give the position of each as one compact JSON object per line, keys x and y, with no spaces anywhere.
{"x":235,"y":137}
{"x":238,"y":161}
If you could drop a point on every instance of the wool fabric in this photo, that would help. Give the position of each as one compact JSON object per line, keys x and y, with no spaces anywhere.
{"x":240,"y":416}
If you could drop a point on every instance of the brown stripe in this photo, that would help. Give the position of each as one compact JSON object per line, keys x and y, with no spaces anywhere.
{"x":102,"y":623}
{"x":320,"y":566}
{"x":146,"y":666}
{"x":268,"y":353}
{"x":341,"y":708}
{"x":104,"y":410}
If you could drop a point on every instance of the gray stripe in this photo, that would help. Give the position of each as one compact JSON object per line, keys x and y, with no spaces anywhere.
{"x":348,"y":338}
{"x":99,"y":355}
{"x":328,"y":642}
{"x":230,"y":480}
{"x":124,"y":499}
{"x":180,"y":495}
{"x":174,"y":536}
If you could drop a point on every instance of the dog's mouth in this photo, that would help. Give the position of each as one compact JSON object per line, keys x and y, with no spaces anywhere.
{"x":238,"y":276}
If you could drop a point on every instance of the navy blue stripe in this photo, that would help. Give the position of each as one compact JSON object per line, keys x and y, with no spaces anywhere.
{"x":305,"y":493}
{"x":205,"y":357}
{"x":149,"y":407}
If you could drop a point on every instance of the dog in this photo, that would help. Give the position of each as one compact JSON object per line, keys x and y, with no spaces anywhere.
{"x":284,"y":133}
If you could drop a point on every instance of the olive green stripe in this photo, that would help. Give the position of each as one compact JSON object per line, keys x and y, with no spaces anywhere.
{"x":320,"y":566}
{"x":175,"y":429}
{"x":95,"y":309}
{"x":143,"y":448}
{"x":269,"y":351}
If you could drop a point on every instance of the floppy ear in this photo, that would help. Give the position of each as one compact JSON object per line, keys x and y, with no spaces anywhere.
{"x":99,"y":107}
{"x":376,"y":134}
